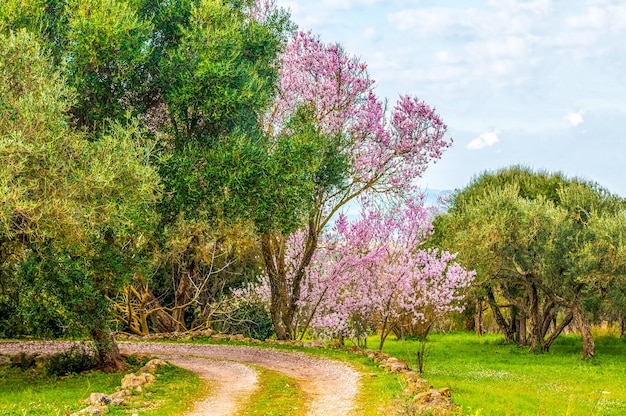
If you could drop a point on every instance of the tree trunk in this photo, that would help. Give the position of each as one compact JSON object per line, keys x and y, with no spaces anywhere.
{"x":513,"y":322}
{"x":589,"y":348}
{"x":502,"y":323}
{"x":470,"y":320}
{"x":478,"y":317}
{"x":160,"y":320}
{"x":557,"y":331}
{"x":521,"y":336}
{"x":277,"y":279}
{"x":182,"y":296}
{"x":622,"y":326}
{"x":109,"y":358}
{"x":536,"y":333}
{"x":291,"y":311}
{"x":285,"y":290}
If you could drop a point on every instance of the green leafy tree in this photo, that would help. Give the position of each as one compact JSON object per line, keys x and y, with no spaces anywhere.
{"x":197,"y":74}
{"x":544,"y":243}
{"x":75,"y":212}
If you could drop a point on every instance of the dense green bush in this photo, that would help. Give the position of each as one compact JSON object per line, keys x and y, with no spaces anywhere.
{"x":73,"y":361}
{"x":250,"y":319}
{"x":24,"y":361}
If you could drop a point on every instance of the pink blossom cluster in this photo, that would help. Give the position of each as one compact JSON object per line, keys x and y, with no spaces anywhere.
{"x":261,"y":10}
{"x":257,"y":291}
{"x":388,"y":151}
{"x":371,"y":272}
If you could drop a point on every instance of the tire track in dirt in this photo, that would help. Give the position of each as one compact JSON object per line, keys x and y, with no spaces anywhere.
{"x":232,"y":383}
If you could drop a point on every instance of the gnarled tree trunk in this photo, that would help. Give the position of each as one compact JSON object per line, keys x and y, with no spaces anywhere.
{"x":536,"y":333}
{"x":500,"y":320}
{"x":557,"y":331}
{"x":109,"y":358}
{"x":478,"y":317}
{"x":589,"y":348}
{"x":521,"y":327}
{"x":285,"y":289}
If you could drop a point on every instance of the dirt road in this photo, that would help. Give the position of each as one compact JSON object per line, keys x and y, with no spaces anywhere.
{"x":330,"y":386}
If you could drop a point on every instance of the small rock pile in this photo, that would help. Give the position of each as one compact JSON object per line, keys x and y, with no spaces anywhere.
{"x":99,"y":402}
{"x":208,"y":333}
{"x":425,"y":398}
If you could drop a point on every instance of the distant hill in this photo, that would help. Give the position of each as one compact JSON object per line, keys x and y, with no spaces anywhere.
{"x":432,"y":198}
{"x":432,"y":195}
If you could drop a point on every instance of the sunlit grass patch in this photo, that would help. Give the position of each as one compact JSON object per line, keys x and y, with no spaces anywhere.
{"x":277,"y":395}
{"x":32,"y":392}
{"x":488,"y":377}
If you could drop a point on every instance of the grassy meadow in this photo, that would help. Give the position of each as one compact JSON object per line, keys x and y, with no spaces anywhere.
{"x":487,"y":377}
{"x":31,"y":392}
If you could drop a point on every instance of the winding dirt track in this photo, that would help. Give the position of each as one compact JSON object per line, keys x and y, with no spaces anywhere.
{"x":232,"y":383}
{"x":330,"y":386}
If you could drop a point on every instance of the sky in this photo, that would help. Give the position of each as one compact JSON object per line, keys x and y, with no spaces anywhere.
{"x":538,"y":83}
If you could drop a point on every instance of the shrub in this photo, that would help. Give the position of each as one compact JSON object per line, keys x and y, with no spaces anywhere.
{"x":250,"y":319}
{"x":24,"y":361}
{"x":75,"y":360}
{"x":136,"y":360}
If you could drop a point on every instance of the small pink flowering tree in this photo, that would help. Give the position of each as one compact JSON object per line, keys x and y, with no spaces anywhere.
{"x":372,"y":273}
{"x":367,"y":151}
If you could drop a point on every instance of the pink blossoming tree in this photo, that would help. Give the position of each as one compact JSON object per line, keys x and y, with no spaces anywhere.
{"x":367,"y":151}
{"x":371,"y":273}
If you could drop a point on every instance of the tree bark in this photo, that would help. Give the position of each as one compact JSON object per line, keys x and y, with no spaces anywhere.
{"x":521,"y":336}
{"x":109,"y":358}
{"x":513,"y":322}
{"x":285,"y":290}
{"x":536,"y":333}
{"x":589,"y":348}
{"x":277,"y":280}
{"x":500,"y":320}
{"x":182,"y":296}
{"x":478,"y":317}
{"x":557,"y":331}
{"x":160,"y":320}
{"x":622,"y":326}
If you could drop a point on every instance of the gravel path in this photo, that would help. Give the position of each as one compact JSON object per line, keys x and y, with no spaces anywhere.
{"x":331,"y":386}
{"x":232,"y":383}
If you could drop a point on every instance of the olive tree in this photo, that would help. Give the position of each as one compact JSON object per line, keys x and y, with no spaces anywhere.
{"x":75,"y":212}
{"x":543,"y":243}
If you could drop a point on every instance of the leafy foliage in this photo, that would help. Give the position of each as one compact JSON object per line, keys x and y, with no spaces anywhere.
{"x":247,"y":318}
{"x":548,"y":244}
{"x":73,"y":361}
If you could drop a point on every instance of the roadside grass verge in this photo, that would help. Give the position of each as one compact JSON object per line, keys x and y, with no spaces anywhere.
{"x":277,"y":395}
{"x":31,"y":392}
{"x":487,"y":377}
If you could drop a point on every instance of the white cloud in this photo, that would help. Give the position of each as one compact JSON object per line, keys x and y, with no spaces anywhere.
{"x":575,"y":119}
{"x":433,"y":21}
{"x":535,"y":7}
{"x":486,"y":139}
{"x":371,"y":35}
{"x":445,"y":57}
{"x":593,"y":18}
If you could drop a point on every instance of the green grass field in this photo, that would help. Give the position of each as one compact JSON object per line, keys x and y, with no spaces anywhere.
{"x":489,"y":378}
{"x":31,"y":392}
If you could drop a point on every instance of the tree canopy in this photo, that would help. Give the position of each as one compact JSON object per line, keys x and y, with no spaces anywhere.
{"x":545,"y":243}
{"x":75,"y":212}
